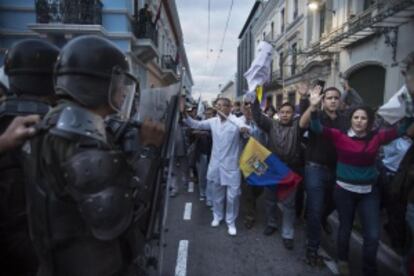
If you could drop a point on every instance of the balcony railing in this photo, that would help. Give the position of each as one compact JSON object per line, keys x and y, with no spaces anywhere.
{"x":146,"y":30}
{"x":167,"y":62}
{"x":69,"y":11}
{"x":366,"y":23}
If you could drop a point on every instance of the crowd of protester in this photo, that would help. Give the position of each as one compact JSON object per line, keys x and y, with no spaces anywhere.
{"x":351,"y":161}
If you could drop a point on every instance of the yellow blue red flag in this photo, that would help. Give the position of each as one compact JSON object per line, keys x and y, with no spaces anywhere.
{"x":260,"y":167}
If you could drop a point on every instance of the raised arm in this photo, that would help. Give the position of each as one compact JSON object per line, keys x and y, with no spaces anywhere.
{"x":205,"y":124}
{"x":314,"y":102}
{"x":264,"y":122}
{"x":315,"y":123}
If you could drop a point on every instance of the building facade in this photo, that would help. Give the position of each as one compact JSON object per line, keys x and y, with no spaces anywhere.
{"x":152,"y":43}
{"x":362,"y":41}
{"x":282,"y":26}
{"x":229,"y":91}
{"x":245,"y":50}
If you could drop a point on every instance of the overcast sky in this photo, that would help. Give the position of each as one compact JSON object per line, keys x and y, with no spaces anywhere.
{"x":194,"y":22}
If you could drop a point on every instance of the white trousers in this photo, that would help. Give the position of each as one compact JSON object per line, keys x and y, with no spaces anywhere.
{"x":230,"y":195}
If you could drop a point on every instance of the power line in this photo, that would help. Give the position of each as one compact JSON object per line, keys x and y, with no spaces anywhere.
{"x":208,"y":29}
{"x":223,"y":37}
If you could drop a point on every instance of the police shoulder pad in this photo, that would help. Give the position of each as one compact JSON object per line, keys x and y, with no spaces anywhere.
{"x":75,"y":121}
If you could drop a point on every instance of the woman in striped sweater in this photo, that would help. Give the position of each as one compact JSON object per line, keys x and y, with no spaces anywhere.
{"x":356,"y":176}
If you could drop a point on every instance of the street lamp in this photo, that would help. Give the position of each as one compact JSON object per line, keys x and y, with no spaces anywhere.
{"x":313,"y":5}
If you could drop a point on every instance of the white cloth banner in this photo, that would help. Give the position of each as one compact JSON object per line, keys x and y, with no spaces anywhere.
{"x":395,"y":109}
{"x":259,"y":71}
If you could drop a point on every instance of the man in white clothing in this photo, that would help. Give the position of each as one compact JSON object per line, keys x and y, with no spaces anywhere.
{"x":223,"y":170}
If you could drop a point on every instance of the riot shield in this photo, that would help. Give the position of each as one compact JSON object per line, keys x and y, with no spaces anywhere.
{"x":158,"y":104}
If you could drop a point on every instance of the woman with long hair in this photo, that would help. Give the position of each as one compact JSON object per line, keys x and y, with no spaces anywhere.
{"x":356,"y":175}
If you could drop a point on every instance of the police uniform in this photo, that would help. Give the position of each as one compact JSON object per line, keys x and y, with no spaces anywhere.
{"x":81,"y":194}
{"x":29,"y":67}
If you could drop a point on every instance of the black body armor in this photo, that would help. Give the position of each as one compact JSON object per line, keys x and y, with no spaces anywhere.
{"x":81,"y":197}
{"x":19,"y":257}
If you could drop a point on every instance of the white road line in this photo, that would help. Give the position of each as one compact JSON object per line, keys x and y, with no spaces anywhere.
{"x":181,"y":266}
{"x":329,"y":262}
{"x":190,"y":187}
{"x":187,"y":211}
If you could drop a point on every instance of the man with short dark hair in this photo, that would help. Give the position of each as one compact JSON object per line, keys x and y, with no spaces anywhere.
{"x":320,"y":157}
{"x":284,"y":140}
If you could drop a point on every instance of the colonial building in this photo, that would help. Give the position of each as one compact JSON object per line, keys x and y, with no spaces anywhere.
{"x":362,"y":41}
{"x":245,"y":50}
{"x":281,"y":24}
{"x":152,"y":40}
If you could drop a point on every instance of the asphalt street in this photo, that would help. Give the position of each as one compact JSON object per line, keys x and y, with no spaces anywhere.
{"x":193,"y":247}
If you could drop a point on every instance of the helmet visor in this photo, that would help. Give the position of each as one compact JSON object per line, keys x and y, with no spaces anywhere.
{"x":121,"y":93}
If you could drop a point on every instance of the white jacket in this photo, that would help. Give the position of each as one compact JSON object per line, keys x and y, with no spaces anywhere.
{"x":224,"y":162}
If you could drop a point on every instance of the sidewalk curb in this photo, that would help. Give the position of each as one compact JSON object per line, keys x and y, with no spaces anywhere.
{"x":389,"y":263}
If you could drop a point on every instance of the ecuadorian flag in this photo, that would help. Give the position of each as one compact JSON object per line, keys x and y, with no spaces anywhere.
{"x":260,"y":167}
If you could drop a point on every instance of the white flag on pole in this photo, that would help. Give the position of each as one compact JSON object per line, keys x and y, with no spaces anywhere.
{"x":395,"y":109}
{"x":259,"y":71}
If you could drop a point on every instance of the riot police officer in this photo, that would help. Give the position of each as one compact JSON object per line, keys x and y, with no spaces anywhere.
{"x":81,"y":195}
{"x":29,"y":68}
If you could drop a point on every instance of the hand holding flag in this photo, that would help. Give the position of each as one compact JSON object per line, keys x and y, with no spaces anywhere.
{"x":260,"y":167}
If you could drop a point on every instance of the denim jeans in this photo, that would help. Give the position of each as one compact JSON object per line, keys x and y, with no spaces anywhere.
{"x":202,"y":165}
{"x":288,"y":211}
{"x":319,"y":183}
{"x":368,"y":206}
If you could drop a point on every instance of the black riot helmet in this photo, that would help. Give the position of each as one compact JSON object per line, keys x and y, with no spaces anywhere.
{"x":29,"y":66}
{"x":94,"y":72}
